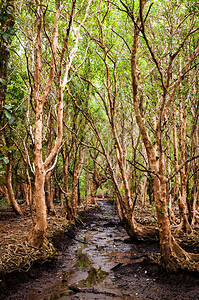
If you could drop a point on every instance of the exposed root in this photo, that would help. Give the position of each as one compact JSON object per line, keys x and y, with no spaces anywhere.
{"x":16,"y":254}
{"x":177,"y":260}
{"x":141,"y":232}
{"x":188,"y":240}
{"x":184,"y":227}
{"x":21,"y":257}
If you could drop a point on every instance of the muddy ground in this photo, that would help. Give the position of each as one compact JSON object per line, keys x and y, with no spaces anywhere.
{"x":99,"y":261}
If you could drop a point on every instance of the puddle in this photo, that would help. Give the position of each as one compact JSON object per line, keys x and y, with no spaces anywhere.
{"x":86,"y":266}
{"x":83,"y":261}
{"x":94,"y":277}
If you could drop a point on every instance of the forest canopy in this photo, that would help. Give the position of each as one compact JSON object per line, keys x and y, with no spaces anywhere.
{"x":101,"y":97}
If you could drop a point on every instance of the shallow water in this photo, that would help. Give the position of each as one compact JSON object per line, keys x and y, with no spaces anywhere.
{"x":87,"y":265}
{"x":100,"y":262}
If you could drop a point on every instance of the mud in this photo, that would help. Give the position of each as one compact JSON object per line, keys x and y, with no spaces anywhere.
{"x":99,"y":261}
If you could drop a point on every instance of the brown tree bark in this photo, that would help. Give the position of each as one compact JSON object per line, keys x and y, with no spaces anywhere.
{"x":76,"y":173}
{"x":48,"y":180}
{"x":170,"y":200}
{"x":68,"y":206}
{"x":25,"y":188}
{"x":184,"y":223}
{"x":95,"y":183}
{"x":175,"y":148}
{"x":49,"y":195}
{"x":37,"y":235}
{"x":11,"y":195}
{"x":4,"y":191}
{"x":97,"y":179}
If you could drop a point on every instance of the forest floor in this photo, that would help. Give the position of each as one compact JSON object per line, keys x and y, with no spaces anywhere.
{"x":96,"y":260}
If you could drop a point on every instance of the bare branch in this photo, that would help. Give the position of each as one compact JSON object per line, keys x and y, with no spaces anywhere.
{"x":182,"y":165}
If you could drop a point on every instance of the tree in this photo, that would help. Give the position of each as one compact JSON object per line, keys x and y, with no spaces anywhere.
{"x":172,"y":254}
{"x":40,"y":93}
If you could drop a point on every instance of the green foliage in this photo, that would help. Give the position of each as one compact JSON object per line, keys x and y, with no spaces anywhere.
{"x":3,"y":202}
{"x":8,"y":113}
{"x":166,"y":26}
{"x":7,"y":16}
{"x":16,"y":89}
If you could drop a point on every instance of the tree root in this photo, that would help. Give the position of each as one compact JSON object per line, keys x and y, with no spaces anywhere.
{"x":184,"y":227}
{"x":22,"y":256}
{"x":186,"y":240}
{"x":178,"y":259}
{"x":142,"y":233}
{"x":190,"y":264}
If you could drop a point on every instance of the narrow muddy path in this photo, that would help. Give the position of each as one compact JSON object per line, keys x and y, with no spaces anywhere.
{"x":100,"y":262}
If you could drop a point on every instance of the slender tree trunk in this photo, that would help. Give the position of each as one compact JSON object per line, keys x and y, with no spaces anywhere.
{"x":11,"y":195}
{"x":92,"y":192}
{"x":194,"y":198}
{"x":102,"y":191}
{"x":175,"y":148}
{"x":37,"y":236}
{"x":184,"y":223}
{"x":49,"y":195}
{"x":76,"y":174}
{"x":169,"y":196}
{"x":48,"y":181}
{"x":194,"y":166}
{"x":25,"y":188}
{"x":68,"y":206}
{"x":4,"y":190}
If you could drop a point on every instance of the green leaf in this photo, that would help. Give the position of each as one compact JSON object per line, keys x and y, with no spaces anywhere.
{"x":8,"y":107}
{"x":6,"y":36}
{"x":8,"y":114}
{"x":2,"y":81}
{"x":11,"y":120}
{"x":11,"y":149}
{"x":6,"y":160}
{"x":5,"y":148}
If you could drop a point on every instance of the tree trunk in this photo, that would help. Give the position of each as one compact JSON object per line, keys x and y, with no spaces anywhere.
{"x":76,"y":174}
{"x":25,"y":193}
{"x":68,"y":206}
{"x":37,"y":236}
{"x":4,"y":191}
{"x":184,"y":223}
{"x":102,"y":191}
{"x":172,"y":255}
{"x":49,"y":195}
{"x":11,"y":195}
{"x":176,"y":193}
{"x":170,"y":203}
{"x":193,"y":203}
{"x":92,"y":192}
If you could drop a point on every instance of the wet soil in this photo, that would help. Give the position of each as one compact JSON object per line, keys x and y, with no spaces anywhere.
{"x":99,"y":261}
